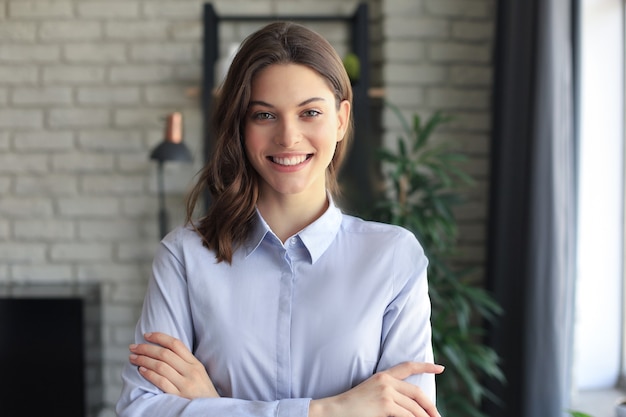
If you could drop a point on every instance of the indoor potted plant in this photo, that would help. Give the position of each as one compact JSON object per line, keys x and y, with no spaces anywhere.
{"x":423,"y":181}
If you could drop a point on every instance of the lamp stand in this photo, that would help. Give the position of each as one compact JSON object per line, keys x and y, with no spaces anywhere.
{"x":162,"y":209}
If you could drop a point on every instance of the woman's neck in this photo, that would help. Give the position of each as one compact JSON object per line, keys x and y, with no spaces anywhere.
{"x":286,"y":215}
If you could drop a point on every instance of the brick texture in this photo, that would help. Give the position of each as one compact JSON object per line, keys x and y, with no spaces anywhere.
{"x":437,"y":56}
{"x":84,"y":87}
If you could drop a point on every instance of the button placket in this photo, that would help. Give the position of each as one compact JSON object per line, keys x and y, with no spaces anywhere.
{"x":283,"y":342}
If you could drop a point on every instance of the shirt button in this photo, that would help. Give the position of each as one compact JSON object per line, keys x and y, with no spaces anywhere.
{"x":294,"y":241}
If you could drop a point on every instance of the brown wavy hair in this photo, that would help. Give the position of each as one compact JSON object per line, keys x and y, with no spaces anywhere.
{"x":228,"y":175}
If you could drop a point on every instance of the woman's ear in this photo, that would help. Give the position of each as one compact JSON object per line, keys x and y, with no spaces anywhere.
{"x":343,"y":116}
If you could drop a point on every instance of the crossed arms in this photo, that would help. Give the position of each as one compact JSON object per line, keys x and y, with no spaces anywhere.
{"x":168,"y":364}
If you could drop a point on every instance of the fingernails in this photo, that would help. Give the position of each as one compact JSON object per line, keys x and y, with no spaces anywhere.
{"x":133,"y":357}
{"x":147,"y":335}
{"x":440,"y":368}
{"x":132,"y":347}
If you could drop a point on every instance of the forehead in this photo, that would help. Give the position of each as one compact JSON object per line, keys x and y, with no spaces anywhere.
{"x":284,"y":81}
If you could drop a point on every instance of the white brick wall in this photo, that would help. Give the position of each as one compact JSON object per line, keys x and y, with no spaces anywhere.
{"x":84,"y":85}
{"x":438,"y":56}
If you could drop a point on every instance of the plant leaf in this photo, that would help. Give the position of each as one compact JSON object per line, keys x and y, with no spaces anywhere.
{"x":577,"y":414}
{"x":425,"y":178}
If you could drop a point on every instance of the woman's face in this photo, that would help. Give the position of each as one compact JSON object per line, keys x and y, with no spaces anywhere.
{"x":291,"y":130}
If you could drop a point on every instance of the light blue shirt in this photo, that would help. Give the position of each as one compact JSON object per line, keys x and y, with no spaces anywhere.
{"x":286,"y":323}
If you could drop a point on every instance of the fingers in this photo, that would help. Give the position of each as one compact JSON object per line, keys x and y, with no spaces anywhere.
{"x":383,"y":394}
{"x":161,"y":363}
{"x":175,"y":345}
{"x":412,"y":398}
{"x":417,"y":401}
{"x":156,"y":371}
{"x":158,"y":358}
{"x":167,"y":363}
{"x":173,"y":354}
{"x":153,"y":358}
{"x":163,"y":383}
{"x":407,"y":396}
{"x":410,"y":407}
{"x":406,"y":369}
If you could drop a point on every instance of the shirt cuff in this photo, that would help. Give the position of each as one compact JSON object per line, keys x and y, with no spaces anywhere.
{"x":293,"y":407}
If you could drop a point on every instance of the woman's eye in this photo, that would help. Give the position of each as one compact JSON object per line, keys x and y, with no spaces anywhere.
{"x":311,"y":113}
{"x":262,"y":116}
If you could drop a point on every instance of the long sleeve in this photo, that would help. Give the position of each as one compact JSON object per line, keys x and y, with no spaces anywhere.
{"x":167,"y":309}
{"x":162,"y":405}
{"x":406,"y":324}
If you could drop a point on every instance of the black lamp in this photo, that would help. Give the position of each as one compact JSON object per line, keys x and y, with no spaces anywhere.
{"x":171,"y":149}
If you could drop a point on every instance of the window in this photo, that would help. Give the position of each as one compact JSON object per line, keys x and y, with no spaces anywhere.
{"x":599,"y":305}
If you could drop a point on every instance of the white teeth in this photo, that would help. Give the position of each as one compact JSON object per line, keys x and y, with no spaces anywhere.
{"x":294,"y":160}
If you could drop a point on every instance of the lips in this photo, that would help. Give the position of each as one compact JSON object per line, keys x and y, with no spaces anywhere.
{"x":290,"y":160}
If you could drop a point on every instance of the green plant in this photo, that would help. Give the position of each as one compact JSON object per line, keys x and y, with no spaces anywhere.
{"x":424,"y":179}
{"x":577,"y":413}
{"x":352,"y":64}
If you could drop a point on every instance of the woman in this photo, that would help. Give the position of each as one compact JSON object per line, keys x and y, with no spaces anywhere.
{"x":275,"y":303}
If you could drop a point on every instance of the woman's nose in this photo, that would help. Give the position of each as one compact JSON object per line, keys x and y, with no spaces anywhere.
{"x":287,"y":135}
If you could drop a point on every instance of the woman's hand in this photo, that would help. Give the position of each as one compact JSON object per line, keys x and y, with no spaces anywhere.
{"x":169,"y":365}
{"x":384,"y":394}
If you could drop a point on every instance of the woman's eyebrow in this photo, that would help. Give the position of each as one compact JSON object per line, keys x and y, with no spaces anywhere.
{"x":311,"y":100}
{"x":259,"y":103}
{"x":304,"y":103}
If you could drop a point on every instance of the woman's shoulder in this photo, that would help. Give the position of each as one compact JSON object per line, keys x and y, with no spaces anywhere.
{"x":377,"y":231}
{"x":359,"y":225}
{"x":181,"y":234}
{"x":384,"y":241}
{"x":183,"y":239}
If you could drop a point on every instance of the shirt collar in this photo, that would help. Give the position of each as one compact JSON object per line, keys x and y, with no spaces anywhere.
{"x":316,"y":237}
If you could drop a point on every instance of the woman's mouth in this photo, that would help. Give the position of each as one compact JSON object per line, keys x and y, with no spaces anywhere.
{"x":291,"y":160}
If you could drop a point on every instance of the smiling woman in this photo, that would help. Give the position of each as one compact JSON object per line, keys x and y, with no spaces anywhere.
{"x":275,"y":303}
{"x":291,"y":132}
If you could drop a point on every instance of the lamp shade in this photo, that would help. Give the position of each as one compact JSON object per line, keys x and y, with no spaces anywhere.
{"x":172,"y":148}
{"x":168,"y":151}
